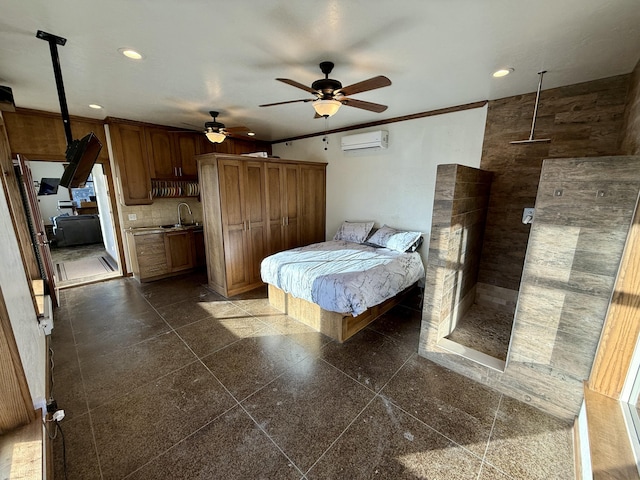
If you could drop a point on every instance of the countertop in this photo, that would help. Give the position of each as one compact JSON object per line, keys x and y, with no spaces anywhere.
{"x":163,"y":229}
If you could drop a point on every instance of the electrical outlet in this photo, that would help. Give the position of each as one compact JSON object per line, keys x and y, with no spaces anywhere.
{"x":133,"y":216}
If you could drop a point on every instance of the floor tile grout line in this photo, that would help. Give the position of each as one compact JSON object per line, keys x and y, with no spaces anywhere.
{"x":180,"y":441}
{"x":86,"y":399}
{"x":375,"y":395}
{"x":272,"y":440}
{"x":493,"y":424}
{"x":484,"y":460}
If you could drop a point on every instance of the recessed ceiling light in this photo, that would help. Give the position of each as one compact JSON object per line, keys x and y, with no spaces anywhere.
{"x":503,"y":72}
{"x":129,"y":53}
{"x":95,"y":105}
{"x":251,"y":134}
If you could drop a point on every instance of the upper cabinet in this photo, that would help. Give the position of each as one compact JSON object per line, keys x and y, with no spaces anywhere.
{"x":132,"y":165}
{"x":172,"y":154}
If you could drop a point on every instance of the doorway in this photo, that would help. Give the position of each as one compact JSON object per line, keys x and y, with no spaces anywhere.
{"x":79,"y":225}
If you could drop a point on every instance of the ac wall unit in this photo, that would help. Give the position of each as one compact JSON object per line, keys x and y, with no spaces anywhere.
{"x":365,"y":141}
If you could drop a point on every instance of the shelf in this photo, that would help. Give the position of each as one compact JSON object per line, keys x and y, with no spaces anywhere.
{"x":174,"y":189}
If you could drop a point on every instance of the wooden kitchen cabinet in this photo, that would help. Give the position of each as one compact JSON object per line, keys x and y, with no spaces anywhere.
{"x":148,"y":255}
{"x":172,"y":154}
{"x":246,"y":202}
{"x":157,"y":254}
{"x":187,"y":146}
{"x":132,"y":165}
{"x":180,"y":249}
{"x":160,"y":152}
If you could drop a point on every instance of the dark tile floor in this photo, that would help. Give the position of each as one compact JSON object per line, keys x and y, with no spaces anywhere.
{"x":169,"y":380}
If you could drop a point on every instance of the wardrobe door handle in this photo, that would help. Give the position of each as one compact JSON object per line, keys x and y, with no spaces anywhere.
{"x":180,"y":170}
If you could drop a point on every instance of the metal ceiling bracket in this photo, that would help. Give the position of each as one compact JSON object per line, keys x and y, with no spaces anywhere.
{"x":54,"y":41}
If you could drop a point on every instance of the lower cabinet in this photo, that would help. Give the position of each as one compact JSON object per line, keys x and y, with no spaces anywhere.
{"x":180,"y":249}
{"x":155,"y":255}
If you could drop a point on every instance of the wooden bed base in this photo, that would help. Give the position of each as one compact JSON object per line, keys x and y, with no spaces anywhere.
{"x":339,"y":326}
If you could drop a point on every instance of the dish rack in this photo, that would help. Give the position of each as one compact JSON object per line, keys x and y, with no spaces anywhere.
{"x":172,"y":189}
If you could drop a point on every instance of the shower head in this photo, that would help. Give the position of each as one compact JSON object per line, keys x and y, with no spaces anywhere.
{"x":533,"y":122}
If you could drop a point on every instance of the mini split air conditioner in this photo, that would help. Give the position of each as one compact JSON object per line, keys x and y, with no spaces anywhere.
{"x":365,"y":141}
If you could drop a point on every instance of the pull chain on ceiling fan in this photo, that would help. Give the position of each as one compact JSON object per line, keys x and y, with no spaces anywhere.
{"x":330,"y":95}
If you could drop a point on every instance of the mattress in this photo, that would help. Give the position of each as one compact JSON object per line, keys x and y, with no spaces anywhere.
{"x":341,"y":276}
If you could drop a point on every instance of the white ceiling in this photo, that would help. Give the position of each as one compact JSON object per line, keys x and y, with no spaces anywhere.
{"x":203,"y":55}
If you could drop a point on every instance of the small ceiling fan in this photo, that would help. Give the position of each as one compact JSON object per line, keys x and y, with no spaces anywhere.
{"x":330,"y":94}
{"x":216,"y":132}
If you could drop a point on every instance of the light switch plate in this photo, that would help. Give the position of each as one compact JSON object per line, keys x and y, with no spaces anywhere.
{"x":133,"y":216}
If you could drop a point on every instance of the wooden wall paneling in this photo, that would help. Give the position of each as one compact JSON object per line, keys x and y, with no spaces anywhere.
{"x":40,"y":135}
{"x":16,"y":408}
{"x":581,"y":120}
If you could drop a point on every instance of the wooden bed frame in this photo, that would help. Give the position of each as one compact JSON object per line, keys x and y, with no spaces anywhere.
{"x":339,"y":326}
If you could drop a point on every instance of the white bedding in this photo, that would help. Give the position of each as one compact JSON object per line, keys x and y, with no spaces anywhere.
{"x":341,"y":276}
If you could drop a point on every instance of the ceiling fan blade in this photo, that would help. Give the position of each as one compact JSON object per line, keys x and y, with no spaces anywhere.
{"x":289,"y":101}
{"x":236,"y":129}
{"x":299,"y":85}
{"x":365,"y":85}
{"x":372,"y":107}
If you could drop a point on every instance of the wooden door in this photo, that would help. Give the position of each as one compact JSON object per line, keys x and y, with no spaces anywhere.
{"x":131,"y":162}
{"x":160,"y":153}
{"x":291,"y":206}
{"x":275,"y":213}
{"x":186,"y":148}
{"x":282,"y":193}
{"x":255,"y":214}
{"x":312,"y":204}
{"x":40,"y":241}
{"x":231,"y":178}
{"x":180,"y":250}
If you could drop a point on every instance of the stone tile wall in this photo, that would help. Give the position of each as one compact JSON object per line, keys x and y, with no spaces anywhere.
{"x":584,"y":208}
{"x":459,"y":213}
{"x":585,"y":119}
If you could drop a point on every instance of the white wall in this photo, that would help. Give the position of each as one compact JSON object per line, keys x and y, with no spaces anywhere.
{"x":393,"y":186}
{"x":29,"y":336}
{"x":49,"y":203}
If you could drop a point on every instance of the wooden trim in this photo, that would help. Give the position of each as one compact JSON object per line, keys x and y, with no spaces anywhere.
{"x":221,"y":156}
{"x":611,"y":454}
{"x":16,"y":408}
{"x":404,"y":118}
{"x":621,"y":328}
{"x":577,"y":452}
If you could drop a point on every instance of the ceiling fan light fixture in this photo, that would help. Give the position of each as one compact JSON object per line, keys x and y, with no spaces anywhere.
{"x":326,"y":108}
{"x":215,"y":137}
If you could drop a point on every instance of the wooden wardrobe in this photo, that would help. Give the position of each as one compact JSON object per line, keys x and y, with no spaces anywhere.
{"x":254,"y":207}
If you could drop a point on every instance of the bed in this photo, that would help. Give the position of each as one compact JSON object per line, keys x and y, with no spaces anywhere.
{"x":340,"y":286}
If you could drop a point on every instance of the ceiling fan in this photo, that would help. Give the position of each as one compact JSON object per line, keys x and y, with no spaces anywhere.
{"x":216,"y":132}
{"x":330,"y":94}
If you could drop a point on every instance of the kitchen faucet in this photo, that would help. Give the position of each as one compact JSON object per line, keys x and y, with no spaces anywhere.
{"x":188,"y":209}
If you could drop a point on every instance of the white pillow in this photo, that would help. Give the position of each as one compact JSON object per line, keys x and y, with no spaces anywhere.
{"x":398,"y":240}
{"x":355,"y":232}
